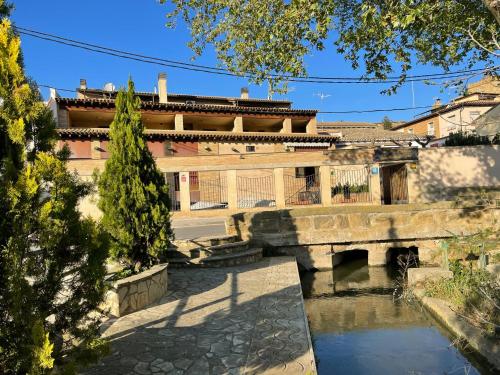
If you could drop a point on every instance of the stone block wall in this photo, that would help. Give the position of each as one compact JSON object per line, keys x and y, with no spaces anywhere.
{"x":315,"y":235}
{"x":136,"y":292}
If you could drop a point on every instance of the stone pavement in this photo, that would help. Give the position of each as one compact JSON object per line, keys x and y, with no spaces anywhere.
{"x":240,"y":320}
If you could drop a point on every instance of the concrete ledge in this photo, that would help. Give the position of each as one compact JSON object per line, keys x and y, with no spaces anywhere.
{"x":417,"y":276}
{"x":136,"y":292}
{"x":488,"y":348}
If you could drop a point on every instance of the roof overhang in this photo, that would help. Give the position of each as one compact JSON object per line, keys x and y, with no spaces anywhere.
{"x":72,"y":103}
{"x":186,"y":135}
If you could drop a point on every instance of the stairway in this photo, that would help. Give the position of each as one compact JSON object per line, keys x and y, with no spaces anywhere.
{"x":223,"y":251}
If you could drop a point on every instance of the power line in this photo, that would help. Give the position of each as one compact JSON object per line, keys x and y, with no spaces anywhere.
{"x":56,"y":88}
{"x":220,"y":71}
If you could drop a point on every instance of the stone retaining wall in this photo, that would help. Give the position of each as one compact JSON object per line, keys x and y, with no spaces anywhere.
{"x":316,"y":234}
{"x":443,"y":311}
{"x":136,"y":292}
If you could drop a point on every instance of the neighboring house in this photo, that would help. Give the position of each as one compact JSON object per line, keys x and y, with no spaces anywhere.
{"x":457,"y":116}
{"x":367,"y":134}
{"x":488,"y":125}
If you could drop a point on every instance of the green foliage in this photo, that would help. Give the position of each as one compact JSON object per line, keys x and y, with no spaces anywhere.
{"x":459,"y":247}
{"x":52,"y":262}
{"x":5,"y":9}
{"x":133,"y":193}
{"x":474,"y":293}
{"x":468,"y":139}
{"x":42,"y":350}
{"x":387,"y":123}
{"x":273,"y":37}
{"x":347,"y":189}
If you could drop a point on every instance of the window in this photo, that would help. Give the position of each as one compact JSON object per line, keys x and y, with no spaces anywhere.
{"x":250,"y":148}
{"x":300,"y":172}
{"x":410,"y":131}
{"x":474,"y":115}
{"x":194,"y":181}
{"x":430,"y":128}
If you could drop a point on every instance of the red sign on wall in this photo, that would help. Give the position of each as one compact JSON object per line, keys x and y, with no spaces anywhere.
{"x":183,"y":178}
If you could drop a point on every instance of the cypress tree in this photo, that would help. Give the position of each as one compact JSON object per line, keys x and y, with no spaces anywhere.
{"x":52,"y":262}
{"x":133,"y":193}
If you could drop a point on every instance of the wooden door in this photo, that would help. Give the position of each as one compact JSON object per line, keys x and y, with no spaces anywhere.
{"x":395,"y":184}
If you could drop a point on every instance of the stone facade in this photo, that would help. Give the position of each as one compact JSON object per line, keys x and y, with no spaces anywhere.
{"x":315,"y":235}
{"x":136,"y":292}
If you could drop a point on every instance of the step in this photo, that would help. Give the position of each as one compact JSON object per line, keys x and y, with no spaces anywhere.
{"x":225,"y":260}
{"x":228,"y":248}
{"x":203,"y":242}
{"x":203,"y":252}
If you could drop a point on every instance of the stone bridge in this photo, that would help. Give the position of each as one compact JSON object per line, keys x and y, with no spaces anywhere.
{"x":319,"y":236}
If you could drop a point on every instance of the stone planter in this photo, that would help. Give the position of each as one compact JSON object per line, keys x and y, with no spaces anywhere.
{"x":136,"y":292}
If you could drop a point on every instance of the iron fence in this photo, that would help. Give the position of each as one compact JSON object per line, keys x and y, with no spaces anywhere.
{"x":350,"y":185}
{"x":207,"y":193}
{"x":256,"y":191}
{"x":302,"y":190}
{"x":172,"y":180}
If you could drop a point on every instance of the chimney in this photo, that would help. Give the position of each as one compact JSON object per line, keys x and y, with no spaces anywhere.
{"x":244,"y":93}
{"x":436,"y":104}
{"x":162,"y":87}
{"x":53,"y":93}
{"x":83,"y":86}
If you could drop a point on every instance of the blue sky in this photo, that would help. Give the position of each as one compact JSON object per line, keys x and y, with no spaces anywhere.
{"x":139,"y":26}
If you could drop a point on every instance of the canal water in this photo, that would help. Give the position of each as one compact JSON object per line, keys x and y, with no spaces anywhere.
{"x":358,"y":328}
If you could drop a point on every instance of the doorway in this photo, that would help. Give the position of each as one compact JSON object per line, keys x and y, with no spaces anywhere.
{"x":394,"y":184}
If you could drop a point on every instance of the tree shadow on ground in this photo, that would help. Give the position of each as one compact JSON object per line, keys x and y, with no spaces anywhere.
{"x":244,"y":325}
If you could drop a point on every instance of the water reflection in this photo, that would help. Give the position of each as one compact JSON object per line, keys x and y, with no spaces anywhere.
{"x":357,"y":328}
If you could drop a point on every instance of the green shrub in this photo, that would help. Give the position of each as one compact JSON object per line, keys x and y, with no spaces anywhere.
{"x":474,"y":294}
{"x":133,"y":194}
{"x":468,"y":139}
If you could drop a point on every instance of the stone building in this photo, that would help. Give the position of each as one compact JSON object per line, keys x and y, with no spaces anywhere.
{"x":210,"y":129}
{"x":245,"y":154}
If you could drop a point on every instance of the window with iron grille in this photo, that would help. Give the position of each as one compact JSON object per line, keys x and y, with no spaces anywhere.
{"x":250,"y":148}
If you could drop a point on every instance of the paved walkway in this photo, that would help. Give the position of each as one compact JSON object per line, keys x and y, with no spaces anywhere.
{"x":240,"y":320}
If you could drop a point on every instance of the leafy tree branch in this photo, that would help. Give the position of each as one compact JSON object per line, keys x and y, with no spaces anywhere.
{"x":268,"y":40}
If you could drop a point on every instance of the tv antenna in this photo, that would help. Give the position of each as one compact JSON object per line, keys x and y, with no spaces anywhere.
{"x":322,"y":96}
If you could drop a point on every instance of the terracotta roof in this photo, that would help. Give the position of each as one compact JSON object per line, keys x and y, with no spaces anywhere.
{"x":347,"y":124}
{"x":182,"y":107}
{"x":198,"y":135}
{"x":448,"y":108}
{"x":363,"y":134}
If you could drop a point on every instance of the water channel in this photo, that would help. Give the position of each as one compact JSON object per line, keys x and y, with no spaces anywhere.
{"x":358,"y":328}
